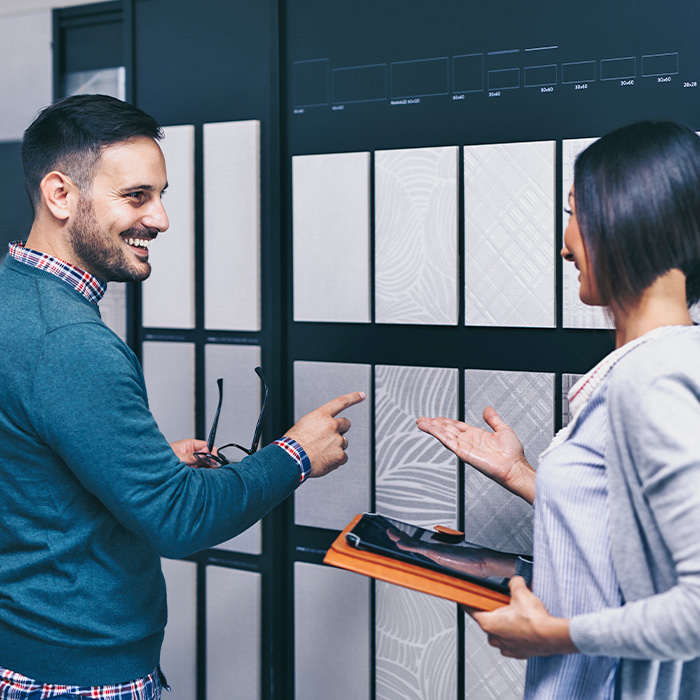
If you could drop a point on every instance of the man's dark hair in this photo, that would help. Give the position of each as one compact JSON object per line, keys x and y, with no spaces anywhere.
{"x":70,"y":134}
{"x":637,"y":200}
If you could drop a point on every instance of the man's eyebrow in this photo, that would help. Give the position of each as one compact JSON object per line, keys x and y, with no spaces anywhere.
{"x":147,"y":188}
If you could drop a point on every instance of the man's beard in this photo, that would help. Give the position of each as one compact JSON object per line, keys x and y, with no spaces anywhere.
{"x":103,"y":257}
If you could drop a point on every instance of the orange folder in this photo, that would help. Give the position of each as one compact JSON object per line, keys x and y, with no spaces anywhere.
{"x":418,"y":578}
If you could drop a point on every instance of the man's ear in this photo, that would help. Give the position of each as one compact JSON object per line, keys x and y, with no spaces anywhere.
{"x":59,"y":194}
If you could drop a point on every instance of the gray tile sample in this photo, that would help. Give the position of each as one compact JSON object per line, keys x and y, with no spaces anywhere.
{"x":233,"y":633}
{"x":179,"y":653}
{"x":333,"y":500}
{"x":331,"y":219}
{"x":232,"y":225}
{"x":567,"y":382}
{"x":416,"y":645}
{"x":493,"y":516}
{"x":235,"y":364}
{"x":169,"y":372}
{"x":113,"y":308}
{"x":509,"y":234}
{"x":576,"y":314}
{"x":416,"y":477}
{"x":332,"y":627}
{"x":487,"y":674}
{"x":168,"y":294}
{"x":416,"y":254}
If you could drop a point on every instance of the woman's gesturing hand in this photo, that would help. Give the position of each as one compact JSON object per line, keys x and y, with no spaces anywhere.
{"x":498,"y":454}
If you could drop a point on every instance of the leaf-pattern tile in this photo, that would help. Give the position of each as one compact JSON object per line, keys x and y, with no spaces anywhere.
{"x":567,"y":382}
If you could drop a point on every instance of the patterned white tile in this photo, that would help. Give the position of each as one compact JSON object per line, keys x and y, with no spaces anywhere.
{"x":331,"y":219}
{"x":575,"y":313}
{"x":525,"y":400}
{"x":113,"y":308}
{"x":168,"y":294}
{"x":334,"y":500}
{"x":567,"y":382}
{"x":332,"y":628}
{"x":416,"y":477}
{"x":232,"y":225}
{"x":509,"y":234}
{"x":416,"y":645}
{"x":416,"y":236}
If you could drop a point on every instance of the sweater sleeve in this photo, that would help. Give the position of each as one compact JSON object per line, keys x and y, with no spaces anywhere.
{"x":654,"y":428}
{"x":89,"y":405}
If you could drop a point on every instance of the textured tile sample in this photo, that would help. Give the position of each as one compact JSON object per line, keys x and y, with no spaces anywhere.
{"x":416,"y":645}
{"x":233,"y":633}
{"x":232,"y":226}
{"x":169,"y":372}
{"x":416,"y":477}
{"x":487,"y":674}
{"x":333,"y":501}
{"x":240,"y":409}
{"x":576,"y":314}
{"x":509,"y":234}
{"x":168,"y":294}
{"x":416,"y":253}
{"x":332,"y":639}
{"x":113,"y":308}
{"x":567,"y":382}
{"x":331,"y":237}
{"x":25,"y":84}
{"x":493,"y":516}
{"x":178,"y":656}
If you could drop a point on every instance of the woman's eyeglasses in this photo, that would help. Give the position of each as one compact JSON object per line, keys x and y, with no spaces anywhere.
{"x":219,"y":458}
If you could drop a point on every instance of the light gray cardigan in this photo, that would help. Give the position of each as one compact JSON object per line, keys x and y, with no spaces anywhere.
{"x":653,"y":461}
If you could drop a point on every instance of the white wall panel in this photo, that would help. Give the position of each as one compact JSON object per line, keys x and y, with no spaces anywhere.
{"x":168,"y":294}
{"x":113,"y":308}
{"x":232,"y":225}
{"x":331,"y":218}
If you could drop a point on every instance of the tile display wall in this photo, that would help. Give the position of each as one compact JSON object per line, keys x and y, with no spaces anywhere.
{"x":509,"y":234}
{"x":416,"y":254}
{"x":334,"y":500}
{"x":331,"y":222}
{"x":113,"y":308}
{"x":567,"y":383}
{"x":232,"y":225}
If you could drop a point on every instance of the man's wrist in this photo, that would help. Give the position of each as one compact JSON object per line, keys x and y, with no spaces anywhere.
{"x":295,"y":450}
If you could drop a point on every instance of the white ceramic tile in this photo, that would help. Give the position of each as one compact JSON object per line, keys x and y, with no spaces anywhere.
{"x":416,"y":477}
{"x":332,"y":633}
{"x":416,"y":645}
{"x":169,"y":372}
{"x":509,"y":234}
{"x":179,"y":653}
{"x":567,"y":382}
{"x":233,"y":633}
{"x":334,"y":500}
{"x":576,"y":314}
{"x":26,"y":82}
{"x":240,"y":409}
{"x":416,"y":252}
{"x":232,"y":225}
{"x":525,"y":400}
{"x":113,"y":308}
{"x":168,"y":294}
{"x":331,"y":237}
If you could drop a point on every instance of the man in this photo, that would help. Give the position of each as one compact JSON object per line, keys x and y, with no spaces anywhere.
{"x":93,"y":494}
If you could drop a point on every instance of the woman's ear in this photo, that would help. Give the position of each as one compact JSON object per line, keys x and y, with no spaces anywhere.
{"x":59,"y":194}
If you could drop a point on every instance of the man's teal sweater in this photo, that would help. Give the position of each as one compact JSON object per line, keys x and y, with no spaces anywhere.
{"x":93,"y":495}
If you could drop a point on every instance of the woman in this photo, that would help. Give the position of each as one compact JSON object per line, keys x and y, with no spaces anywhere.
{"x":615,"y":606}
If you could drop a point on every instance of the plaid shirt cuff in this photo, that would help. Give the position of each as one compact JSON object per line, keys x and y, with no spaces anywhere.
{"x":294,"y":449}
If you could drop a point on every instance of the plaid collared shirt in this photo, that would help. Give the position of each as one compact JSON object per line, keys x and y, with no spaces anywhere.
{"x":90,"y":287}
{"x":14,"y":686}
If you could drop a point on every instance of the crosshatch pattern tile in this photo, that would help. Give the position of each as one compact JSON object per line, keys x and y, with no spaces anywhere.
{"x":509,"y":234}
{"x":232,"y":225}
{"x":525,"y":400}
{"x":168,"y":294}
{"x":113,"y":308}
{"x":567,"y":382}
{"x":487,"y":674}
{"x":331,"y":636}
{"x":575,"y":313}
{"x":416,"y":477}
{"x":233,"y":633}
{"x":416,"y":645}
{"x":331,"y":219}
{"x":416,"y":236}
{"x":235,"y":364}
{"x":333,"y":501}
